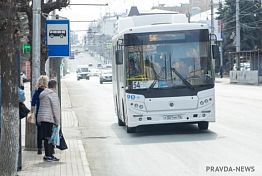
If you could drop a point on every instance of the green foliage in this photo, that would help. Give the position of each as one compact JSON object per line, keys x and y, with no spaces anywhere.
{"x":250,"y":24}
{"x":250,"y":18}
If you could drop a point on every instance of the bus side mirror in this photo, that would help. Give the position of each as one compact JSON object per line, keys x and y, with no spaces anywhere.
{"x":215,"y":52}
{"x":119,"y":57}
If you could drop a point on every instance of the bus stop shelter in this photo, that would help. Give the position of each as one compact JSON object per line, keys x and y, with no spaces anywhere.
{"x":246,"y":67}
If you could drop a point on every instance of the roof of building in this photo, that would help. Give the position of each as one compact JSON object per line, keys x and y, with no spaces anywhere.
{"x":203,"y":16}
{"x":158,"y":11}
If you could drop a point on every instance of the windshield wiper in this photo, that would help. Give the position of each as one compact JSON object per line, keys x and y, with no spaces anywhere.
{"x":153,"y":84}
{"x":182,"y":78}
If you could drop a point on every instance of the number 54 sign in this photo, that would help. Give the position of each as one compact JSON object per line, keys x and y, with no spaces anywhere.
{"x":136,"y":84}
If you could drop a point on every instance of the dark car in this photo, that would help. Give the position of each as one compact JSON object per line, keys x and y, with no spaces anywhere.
{"x":99,"y":66}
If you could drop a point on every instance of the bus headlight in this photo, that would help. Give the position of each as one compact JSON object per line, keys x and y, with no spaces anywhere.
{"x":138,"y":106}
{"x":205,"y":101}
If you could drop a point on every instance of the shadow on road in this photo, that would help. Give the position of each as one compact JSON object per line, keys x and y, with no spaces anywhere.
{"x":163,"y":133}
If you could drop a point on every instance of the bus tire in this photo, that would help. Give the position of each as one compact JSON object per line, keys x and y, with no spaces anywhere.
{"x":120,"y":122}
{"x":203,"y":125}
{"x":130,"y":129}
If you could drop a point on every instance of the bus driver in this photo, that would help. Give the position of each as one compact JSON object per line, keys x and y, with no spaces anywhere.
{"x":132,"y":69}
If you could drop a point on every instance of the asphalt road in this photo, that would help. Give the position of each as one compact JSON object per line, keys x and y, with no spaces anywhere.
{"x":232,"y":146}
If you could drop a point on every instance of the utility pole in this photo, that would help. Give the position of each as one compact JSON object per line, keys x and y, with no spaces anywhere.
{"x":36,"y":41}
{"x":31,"y":128}
{"x":212,"y":17}
{"x":237,"y":34}
{"x":50,"y":61}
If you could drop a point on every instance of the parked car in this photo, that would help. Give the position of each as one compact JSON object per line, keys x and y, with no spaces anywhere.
{"x":83,"y":72}
{"x":105,"y":76}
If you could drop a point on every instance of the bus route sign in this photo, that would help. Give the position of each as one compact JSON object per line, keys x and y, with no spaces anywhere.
{"x":58,"y":38}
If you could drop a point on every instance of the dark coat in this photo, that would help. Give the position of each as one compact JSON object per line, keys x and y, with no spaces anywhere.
{"x":35,"y":100}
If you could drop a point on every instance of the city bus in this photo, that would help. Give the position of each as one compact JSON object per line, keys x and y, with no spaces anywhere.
{"x":164,"y":73}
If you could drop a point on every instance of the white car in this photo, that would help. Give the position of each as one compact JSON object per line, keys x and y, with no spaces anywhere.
{"x":82,"y":72}
{"x":105,"y":76}
{"x":94,"y":71}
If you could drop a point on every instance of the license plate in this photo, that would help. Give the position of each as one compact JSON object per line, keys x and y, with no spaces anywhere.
{"x":173,"y":117}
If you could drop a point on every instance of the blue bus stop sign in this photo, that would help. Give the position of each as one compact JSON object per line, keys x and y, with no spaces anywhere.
{"x":58,"y":38}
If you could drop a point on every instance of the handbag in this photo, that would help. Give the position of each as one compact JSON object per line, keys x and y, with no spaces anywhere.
{"x":63,"y":145}
{"x":55,"y":138}
{"x":31,"y":118}
{"x":23,"y":110}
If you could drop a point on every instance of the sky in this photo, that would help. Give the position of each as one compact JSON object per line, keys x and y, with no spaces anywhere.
{"x":90,"y":13}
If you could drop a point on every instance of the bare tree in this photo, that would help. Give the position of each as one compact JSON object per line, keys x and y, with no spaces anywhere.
{"x":9,"y":78}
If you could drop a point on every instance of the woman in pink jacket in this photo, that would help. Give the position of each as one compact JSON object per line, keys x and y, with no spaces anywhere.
{"x":49,"y":116}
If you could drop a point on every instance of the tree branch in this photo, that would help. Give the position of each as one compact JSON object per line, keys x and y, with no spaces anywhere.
{"x":51,"y":6}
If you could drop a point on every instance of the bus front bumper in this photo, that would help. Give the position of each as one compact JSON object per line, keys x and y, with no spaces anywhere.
{"x":137,"y":119}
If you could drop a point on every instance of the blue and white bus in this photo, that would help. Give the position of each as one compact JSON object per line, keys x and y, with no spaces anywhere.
{"x":163,"y":73}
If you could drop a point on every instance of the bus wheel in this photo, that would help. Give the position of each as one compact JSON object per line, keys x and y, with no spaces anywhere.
{"x":130,"y":129}
{"x":203,"y":125}
{"x":120,"y":122}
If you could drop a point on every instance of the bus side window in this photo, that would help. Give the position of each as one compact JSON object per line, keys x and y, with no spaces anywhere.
{"x":119,"y":57}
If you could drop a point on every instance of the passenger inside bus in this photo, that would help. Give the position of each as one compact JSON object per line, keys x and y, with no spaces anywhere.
{"x":149,"y":71}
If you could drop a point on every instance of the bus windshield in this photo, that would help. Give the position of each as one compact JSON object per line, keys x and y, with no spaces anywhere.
{"x":162,"y":62}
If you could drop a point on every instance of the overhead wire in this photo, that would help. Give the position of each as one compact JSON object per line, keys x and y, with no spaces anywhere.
{"x":252,"y":27}
{"x":245,"y":9}
{"x":242,"y":9}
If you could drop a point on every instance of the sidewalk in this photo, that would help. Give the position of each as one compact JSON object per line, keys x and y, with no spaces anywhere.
{"x":73,"y":161}
{"x":224,"y":80}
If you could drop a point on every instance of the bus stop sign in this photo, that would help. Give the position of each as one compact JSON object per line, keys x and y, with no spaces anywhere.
{"x":58,"y":38}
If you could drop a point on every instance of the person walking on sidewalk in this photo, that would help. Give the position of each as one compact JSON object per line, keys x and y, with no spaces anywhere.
{"x":221,"y":71}
{"x":41,"y":84}
{"x":48,"y":116}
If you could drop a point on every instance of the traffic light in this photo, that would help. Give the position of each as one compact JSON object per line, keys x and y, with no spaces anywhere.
{"x":26,"y":48}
